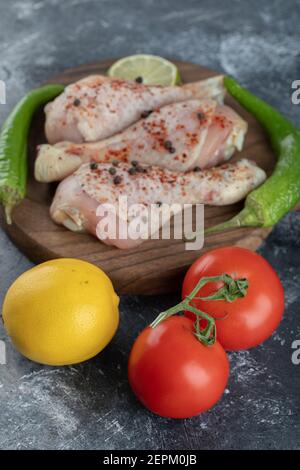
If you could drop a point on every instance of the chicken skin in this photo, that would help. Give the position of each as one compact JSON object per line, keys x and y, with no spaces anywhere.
{"x":89,"y":199}
{"x":180,"y":136}
{"x":98,"y":107}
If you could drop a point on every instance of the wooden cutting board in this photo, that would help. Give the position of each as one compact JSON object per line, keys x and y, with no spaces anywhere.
{"x":157,"y":266}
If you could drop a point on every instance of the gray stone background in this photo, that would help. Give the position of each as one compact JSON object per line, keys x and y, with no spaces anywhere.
{"x":90,"y":406}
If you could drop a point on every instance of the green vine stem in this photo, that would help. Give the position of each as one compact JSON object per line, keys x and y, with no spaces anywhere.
{"x":230,"y":291}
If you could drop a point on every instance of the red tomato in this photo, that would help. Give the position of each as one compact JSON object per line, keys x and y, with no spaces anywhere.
{"x":172,"y":373}
{"x":247,"y":321}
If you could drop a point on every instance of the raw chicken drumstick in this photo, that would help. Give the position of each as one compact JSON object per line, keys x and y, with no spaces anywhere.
{"x":80,"y":196}
{"x":180,"y":137}
{"x":98,"y":107}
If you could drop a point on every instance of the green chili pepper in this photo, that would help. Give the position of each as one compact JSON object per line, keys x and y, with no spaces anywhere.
{"x":266,"y":205}
{"x":13,"y":146}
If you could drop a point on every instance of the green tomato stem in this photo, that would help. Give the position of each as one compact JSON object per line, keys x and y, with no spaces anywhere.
{"x":230,"y":291}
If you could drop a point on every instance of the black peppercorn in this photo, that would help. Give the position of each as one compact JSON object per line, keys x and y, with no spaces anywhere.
{"x":117,"y":179}
{"x":93,"y":166}
{"x":76,"y":102}
{"x":168,"y":144}
{"x":139,"y":79}
{"x":112,"y":170}
{"x":200,"y":116}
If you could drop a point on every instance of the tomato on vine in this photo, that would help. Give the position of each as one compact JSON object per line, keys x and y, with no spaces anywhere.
{"x":177,"y":368}
{"x":172,"y":373}
{"x":252,"y":318}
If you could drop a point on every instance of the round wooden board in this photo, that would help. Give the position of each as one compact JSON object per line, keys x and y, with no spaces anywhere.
{"x":157,"y":266}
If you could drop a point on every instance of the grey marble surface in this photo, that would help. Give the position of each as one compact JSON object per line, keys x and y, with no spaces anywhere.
{"x":90,"y":405}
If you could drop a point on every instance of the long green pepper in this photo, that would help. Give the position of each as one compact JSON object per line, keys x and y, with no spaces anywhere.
{"x":13,"y":146}
{"x":266,"y":205}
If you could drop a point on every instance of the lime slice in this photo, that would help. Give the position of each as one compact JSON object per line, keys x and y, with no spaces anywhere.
{"x":148,"y":69}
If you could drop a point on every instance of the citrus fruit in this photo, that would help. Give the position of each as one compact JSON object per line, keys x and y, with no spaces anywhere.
{"x":148,"y":69}
{"x":61,"y":312}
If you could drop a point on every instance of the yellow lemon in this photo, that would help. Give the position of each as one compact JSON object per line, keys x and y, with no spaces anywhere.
{"x":61,"y":312}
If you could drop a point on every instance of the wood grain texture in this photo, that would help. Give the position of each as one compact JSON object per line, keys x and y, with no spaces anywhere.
{"x":157,"y":266}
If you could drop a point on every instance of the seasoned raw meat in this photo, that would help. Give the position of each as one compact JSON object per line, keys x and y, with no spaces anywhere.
{"x":93,"y":193}
{"x":98,"y":107}
{"x":180,"y":137}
